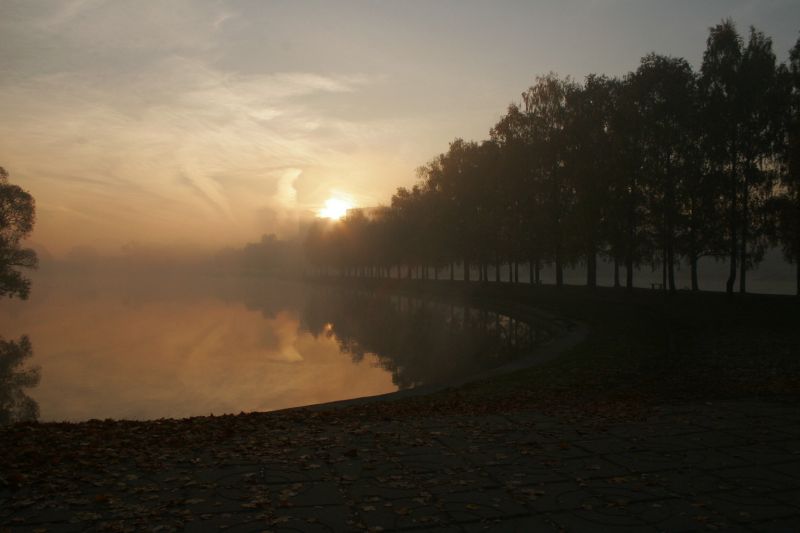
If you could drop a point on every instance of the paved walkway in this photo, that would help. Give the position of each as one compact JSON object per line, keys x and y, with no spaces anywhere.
{"x":732,"y":466}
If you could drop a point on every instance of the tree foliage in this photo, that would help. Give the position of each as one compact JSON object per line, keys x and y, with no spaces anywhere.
{"x":17,"y":215}
{"x":662,"y":166}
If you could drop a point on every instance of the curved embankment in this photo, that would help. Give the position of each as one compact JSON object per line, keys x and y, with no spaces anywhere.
{"x":567,"y":333}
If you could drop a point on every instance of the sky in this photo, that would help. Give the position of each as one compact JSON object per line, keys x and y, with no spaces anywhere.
{"x":201,"y":124}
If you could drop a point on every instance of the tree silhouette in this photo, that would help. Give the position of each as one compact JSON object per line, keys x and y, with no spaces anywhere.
{"x":663,"y":166}
{"x":786,"y":206}
{"x":15,"y":405}
{"x":17,"y":215}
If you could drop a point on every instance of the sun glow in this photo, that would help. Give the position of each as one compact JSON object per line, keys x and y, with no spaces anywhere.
{"x":335,"y":208}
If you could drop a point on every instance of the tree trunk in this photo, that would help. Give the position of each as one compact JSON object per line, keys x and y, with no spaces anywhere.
{"x":629,"y":273}
{"x":616,"y":273}
{"x":630,"y":245}
{"x":452,"y":271}
{"x":733,"y":236}
{"x":497,"y":271}
{"x":530,"y":271}
{"x":797,"y":240}
{"x":671,"y":267}
{"x":693,"y":247}
{"x":670,"y":227}
{"x":466,"y":270}
{"x":516,"y":272}
{"x":745,"y":224}
{"x":559,"y":270}
{"x":591,"y":267}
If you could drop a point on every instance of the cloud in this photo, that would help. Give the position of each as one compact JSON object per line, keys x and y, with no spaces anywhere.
{"x":236,"y":143}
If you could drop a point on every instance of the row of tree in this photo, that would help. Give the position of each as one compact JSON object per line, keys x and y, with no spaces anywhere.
{"x":663,"y":166}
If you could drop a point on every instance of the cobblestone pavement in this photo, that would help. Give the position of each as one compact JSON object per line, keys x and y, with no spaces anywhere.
{"x":731,"y":466}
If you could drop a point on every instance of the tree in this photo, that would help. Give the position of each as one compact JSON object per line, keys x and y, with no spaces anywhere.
{"x":787,"y":205}
{"x":17,"y":215}
{"x":15,"y":405}
{"x":626,"y":207}
{"x":665,"y":87}
{"x":720,"y":90}
{"x":761,"y":110}
{"x":588,"y":167}
{"x":740,"y":110}
{"x":546,"y":106}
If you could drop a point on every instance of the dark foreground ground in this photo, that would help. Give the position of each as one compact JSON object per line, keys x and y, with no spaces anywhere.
{"x":674,"y":414}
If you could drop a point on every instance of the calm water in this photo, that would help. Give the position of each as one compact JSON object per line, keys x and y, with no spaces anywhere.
{"x":139,"y":349}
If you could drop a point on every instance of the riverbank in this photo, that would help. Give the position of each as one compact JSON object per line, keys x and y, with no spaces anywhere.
{"x":675,"y":412}
{"x":642,"y":347}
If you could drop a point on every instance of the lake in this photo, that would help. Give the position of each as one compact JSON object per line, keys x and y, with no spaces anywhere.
{"x":135,"y":348}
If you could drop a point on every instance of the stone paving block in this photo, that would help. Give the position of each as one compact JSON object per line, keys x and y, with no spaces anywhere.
{"x":457,"y":481}
{"x":229,"y":522}
{"x":679,"y":515}
{"x":312,"y":519}
{"x":402,"y":514}
{"x":791,"y":446}
{"x":33,"y":517}
{"x":524,"y":474}
{"x":388,"y":488}
{"x":436,"y":464}
{"x":746,"y":507}
{"x":429,"y":450}
{"x":592,"y":520}
{"x":607,"y":445}
{"x":590,"y":468}
{"x":230,"y":502}
{"x":667,"y":443}
{"x":631,"y":430}
{"x":270,"y":473}
{"x":623,"y":491}
{"x":371,"y":467}
{"x":561,"y":450}
{"x":791,"y":498}
{"x":480,"y":505}
{"x":758,"y":479}
{"x":715,"y":439}
{"x":652,"y":461}
{"x":758,"y":432}
{"x":781,"y":525}
{"x":307,"y":494}
{"x":763,"y":454}
{"x":765,"y":409}
{"x":552,"y":497}
{"x":687,"y":483}
{"x":789,"y":429}
{"x":519,"y":524}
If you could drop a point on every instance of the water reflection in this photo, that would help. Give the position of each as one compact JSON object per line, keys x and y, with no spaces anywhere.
{"x":15,"y":378}
{"x":420,"y":341}
{"x":142,"y":349}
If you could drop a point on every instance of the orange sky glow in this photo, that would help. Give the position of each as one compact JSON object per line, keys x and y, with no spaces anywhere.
{"x":202,"y":124}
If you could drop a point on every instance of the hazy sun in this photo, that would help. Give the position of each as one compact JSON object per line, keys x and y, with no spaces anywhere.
{"x":335,"y":208}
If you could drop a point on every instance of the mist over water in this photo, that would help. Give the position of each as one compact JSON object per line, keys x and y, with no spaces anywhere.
{"x":144,"y":346}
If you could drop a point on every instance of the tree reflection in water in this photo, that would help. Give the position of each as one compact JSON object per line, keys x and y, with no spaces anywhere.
{"x":418,"y":340}
{"x":15,"y":404}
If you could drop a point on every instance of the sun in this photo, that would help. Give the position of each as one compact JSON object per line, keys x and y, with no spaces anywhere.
{"x":335,"y":208}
